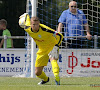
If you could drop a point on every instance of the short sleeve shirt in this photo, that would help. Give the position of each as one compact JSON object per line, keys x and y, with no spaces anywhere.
{"x":73,"y":24}
{"x":7,"y":33}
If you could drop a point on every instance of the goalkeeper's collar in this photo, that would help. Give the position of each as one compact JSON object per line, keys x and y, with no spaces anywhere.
{"x":35,"y":32}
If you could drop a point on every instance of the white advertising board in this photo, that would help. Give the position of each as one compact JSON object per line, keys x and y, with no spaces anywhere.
{"x":72,"y":62}
{"x":11,"y":61}
{"x":77,"y":62}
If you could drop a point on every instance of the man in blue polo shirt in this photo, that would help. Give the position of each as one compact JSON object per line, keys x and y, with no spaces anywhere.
{"x":74,"y":22}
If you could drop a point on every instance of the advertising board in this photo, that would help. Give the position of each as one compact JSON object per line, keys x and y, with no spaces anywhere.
{"x":11,"y":61}
{"x":77,"y":62}
{"x":72,"y":62}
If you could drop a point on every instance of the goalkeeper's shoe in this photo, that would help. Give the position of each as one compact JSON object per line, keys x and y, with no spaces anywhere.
{"x":43,"y":82}
{"x":57,"y":80}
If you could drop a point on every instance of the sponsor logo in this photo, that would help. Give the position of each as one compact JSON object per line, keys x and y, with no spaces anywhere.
{"x":11,"y":58}
{"x":39,"y":36}
{"x":73,"y":62}
{"x":11,"y":69}
{"x":72,"y":59}
{"x":38,"y":40}
{"x":49,"y":69}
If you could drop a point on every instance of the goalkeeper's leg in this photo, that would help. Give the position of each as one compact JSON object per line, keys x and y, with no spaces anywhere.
{"x":55,"y":69}
{"x":40,"y":74}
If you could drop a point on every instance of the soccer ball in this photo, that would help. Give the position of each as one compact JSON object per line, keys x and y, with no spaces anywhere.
{"x":22,"y":22}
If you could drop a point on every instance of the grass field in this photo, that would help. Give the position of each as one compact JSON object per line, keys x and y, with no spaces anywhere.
{"x":71,"y":83}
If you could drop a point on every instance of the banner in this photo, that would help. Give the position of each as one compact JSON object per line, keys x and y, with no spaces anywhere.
{"x":72,"y":62}
{"x":77,"y":62}
{"x":11,"y":61}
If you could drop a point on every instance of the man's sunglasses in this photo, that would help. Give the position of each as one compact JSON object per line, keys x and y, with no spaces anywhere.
{"x":73,"y":6}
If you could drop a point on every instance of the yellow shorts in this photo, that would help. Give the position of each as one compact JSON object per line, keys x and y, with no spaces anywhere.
{"x":42,"y":57}
{"x":41,"y":60}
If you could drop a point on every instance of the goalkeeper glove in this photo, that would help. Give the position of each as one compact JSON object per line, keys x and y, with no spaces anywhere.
{"x":54,"y":53}
{"x":24,"y":20}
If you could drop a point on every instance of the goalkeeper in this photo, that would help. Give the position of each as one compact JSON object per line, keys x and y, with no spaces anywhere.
{"x":48,"y":41}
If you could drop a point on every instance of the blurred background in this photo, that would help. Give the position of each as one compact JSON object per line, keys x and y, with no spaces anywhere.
{"x":49,"y":12}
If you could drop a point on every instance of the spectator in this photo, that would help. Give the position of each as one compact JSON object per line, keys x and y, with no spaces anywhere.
{"x":74,"y":22}
{"x":3,"y":26}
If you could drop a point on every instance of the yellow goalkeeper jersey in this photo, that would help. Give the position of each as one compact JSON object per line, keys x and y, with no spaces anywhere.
{"x":46,"y":37}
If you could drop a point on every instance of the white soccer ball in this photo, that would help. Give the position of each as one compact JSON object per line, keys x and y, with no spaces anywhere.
{"x":22,"y":22}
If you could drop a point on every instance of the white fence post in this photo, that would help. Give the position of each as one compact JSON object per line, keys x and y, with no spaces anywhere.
{"x":5,"y":41}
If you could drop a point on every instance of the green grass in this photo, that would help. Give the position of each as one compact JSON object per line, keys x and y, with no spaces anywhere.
{"x":71,"y":83}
